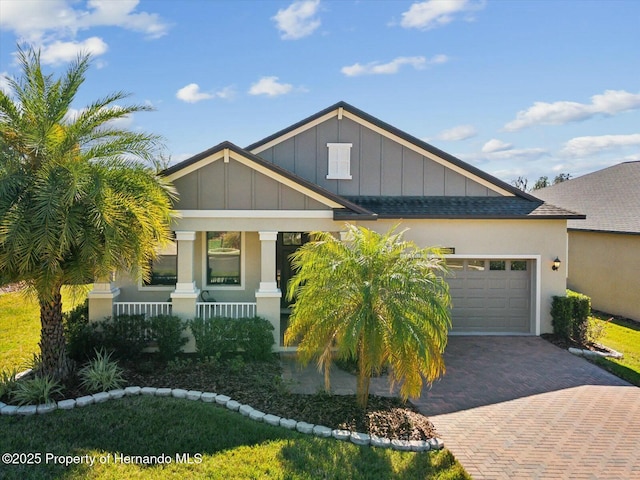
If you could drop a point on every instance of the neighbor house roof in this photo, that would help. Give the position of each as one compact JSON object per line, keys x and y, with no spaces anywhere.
{"x":610,"y":198}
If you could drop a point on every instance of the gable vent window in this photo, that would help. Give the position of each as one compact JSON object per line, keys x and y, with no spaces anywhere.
{"x":339,"y":161}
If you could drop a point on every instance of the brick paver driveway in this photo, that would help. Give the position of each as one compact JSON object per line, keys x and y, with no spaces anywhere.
{"x":521,"y":408}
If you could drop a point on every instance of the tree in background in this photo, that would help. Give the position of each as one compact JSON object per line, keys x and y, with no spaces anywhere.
{"x":375,"y":298}
{"x":78,"y":199}
{"x":542,"y":182}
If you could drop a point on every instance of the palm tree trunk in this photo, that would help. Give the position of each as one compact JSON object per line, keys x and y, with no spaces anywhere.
{"x":53,"y":353}
{"x":364,"y":380}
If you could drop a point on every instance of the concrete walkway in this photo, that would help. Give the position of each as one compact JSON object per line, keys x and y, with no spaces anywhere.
{"x":521,"y":408}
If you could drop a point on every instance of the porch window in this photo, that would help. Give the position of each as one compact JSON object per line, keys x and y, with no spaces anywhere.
{"x":223,"y":258}
{"x":164,"y":269}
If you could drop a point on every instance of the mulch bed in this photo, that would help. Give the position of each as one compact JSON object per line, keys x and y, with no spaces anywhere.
{"x":260,"y":385}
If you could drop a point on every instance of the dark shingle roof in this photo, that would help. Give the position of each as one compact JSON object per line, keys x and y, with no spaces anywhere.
{"x":610,"y":198}
{"x":460,"y":207}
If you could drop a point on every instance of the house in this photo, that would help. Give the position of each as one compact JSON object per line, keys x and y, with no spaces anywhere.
{"x":243,"y":211}
{"x":604,"y":249}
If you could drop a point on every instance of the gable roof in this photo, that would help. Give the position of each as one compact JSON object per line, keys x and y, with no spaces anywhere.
{"x":510,"y":203}
{"x":274,"y":171}
{"x":342,"y":108}
{"x":610,"y":198}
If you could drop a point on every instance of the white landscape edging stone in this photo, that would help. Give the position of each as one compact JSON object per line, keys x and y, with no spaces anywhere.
{"x":360,"y":438}
{"x":9,"y":410}
{"x":46,"y":407}
{"x":357,"y":438}
{"x":179,"y":393}
{"x":194,"y":395}
{"x":100,"y":397}
{"x":595,"y":354}
{"x":132,"y":391}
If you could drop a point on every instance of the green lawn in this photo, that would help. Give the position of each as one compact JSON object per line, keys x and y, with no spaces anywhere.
{"x":20,"y":326}
{"x":623,"y":336}
{"x":221,"y":444}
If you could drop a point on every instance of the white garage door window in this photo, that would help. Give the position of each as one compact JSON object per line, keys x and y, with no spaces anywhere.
{"x":490,"y":295}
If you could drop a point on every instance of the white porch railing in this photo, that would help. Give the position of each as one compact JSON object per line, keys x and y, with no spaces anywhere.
{"x":149,"y":309}
{"x":206,"y":310}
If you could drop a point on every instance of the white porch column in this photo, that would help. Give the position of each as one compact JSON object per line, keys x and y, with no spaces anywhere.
{"x":268,"y":295}
{"x":184,"y":298}
{"x":101,"y":299}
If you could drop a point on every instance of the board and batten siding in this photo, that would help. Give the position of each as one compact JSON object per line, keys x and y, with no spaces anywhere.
{"x":379,"y":165}
{"x":234,"y":186}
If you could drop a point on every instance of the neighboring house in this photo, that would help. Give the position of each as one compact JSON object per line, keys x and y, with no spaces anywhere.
{"x":244,"y":211}
{"x":604,"y":249}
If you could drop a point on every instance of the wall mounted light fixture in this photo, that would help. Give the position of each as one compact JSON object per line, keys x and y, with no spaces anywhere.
{"x":556,"y":264}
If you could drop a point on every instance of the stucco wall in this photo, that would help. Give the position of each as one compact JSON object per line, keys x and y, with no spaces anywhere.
{"x":546,"y":238}
{"x":606,"y":266}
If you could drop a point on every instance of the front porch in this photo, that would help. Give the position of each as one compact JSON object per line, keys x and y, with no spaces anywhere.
{"x":205,"y":285}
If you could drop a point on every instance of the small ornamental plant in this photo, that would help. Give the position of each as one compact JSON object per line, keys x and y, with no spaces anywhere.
{"x":101,"y":373}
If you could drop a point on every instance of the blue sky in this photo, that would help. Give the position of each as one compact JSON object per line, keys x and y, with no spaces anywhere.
{"x":514,"y":87}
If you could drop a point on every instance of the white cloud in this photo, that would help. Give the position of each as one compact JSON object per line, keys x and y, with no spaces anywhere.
{"x":610,"y":102}
{"x":461,"y":132}
{"x":226,"y":93}
{"x":45,"y":20}
{"x":58,"y":52}
{"x":517,"y":154}
{"x":435,"y":13}
{"x":270,"y":86}
{"x":495,"y":145}
{"x":122,"y":14}
{"x":191,"y":94}
{"x":507,"y":154}
{"x":585,"y":146}
{"x":298,"y":20}
{"x":392,"y":67}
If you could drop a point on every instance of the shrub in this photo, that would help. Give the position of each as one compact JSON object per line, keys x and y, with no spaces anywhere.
{"x":561,"y":316}
{"x":35,"y":390}
{"x":101,"y":373}
{"x":581,"y":309}
{"x":251,"y":337}
{"x":167,"y":331}
{"x":125,"y":335}
{"x":570,"y":316}
{"x":82,"y":337}
{"x":8,"y":381}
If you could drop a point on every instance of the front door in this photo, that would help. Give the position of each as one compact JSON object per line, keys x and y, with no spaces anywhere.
{"x":288,"y":242}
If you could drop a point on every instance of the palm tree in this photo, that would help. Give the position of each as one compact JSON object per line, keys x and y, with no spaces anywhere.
{"x":376,"y":298}
{"x":77,"y":200}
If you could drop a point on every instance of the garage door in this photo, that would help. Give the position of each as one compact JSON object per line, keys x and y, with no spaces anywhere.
{"x":491,"y":296}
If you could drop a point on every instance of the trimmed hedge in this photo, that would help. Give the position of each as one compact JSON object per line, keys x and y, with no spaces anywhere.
{"x":168,"y":332}
{"x":570,"y":316}
{"x":126,"y":336}
{"x":222,"y":336}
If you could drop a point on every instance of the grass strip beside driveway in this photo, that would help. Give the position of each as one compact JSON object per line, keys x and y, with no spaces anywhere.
{"x":623,"y":336}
